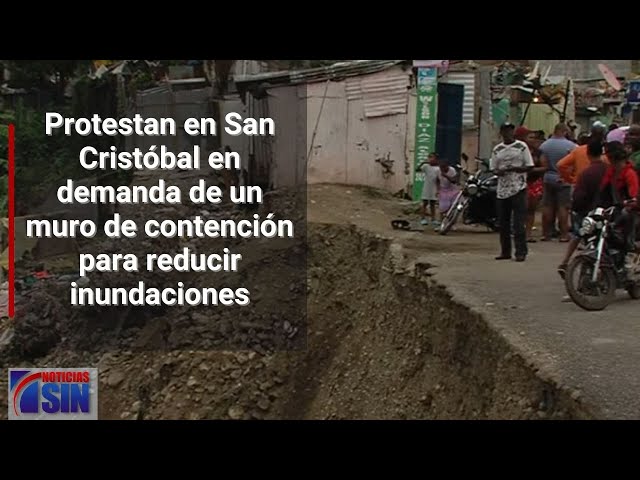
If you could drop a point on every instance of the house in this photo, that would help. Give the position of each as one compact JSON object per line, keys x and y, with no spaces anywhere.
{"x":352,"y":122}
{"x":346,"y":123}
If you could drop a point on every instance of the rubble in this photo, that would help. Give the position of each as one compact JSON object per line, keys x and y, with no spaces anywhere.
{"x":189,"y":362}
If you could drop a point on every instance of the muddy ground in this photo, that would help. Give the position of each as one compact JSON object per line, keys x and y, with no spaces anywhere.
{"x":383,"y":339}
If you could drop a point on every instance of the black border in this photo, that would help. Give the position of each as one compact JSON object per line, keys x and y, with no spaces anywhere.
{"x":330,"y":35}
{"x":321,"y":30}
{"x":408,"y":449}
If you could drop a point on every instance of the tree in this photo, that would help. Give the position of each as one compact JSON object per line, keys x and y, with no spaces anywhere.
{"x":51,"y":75}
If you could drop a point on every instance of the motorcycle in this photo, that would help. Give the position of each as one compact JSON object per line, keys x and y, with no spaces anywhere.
{"x":476,"y":201}
{"x":602,"y":266}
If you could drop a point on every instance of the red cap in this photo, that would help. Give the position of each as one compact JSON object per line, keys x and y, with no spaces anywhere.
{"x":521,"y":132}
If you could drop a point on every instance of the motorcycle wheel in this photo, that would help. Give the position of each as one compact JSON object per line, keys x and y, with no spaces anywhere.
{"x":451,"y":217}
{"x":605,"y":289}
{"x":634,"y":291}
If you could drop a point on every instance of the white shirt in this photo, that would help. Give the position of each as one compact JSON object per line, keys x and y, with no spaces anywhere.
{"x":513,"y":155}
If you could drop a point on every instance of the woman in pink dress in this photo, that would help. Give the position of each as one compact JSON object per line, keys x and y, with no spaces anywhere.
{"x":447,"y":187}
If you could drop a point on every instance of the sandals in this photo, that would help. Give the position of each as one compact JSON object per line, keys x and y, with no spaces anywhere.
{"x":400,"y":225}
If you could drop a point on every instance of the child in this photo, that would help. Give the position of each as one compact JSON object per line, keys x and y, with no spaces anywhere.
{"x":447,"y":185}
{"x":430,"y":188}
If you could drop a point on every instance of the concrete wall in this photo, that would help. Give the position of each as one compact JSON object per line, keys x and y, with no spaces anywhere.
{"x":288,"y":163}
{"x":240,"y":143}
{"x":470,"y":144}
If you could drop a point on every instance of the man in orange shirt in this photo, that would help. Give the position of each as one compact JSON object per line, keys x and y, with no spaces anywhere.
{"x":571,"y":166}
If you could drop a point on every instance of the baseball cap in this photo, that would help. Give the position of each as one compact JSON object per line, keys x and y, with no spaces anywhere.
{"x":617,"y":135}
{"x":522,"y":131}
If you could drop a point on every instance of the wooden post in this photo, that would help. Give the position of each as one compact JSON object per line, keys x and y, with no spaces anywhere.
{"x":486,"y":115}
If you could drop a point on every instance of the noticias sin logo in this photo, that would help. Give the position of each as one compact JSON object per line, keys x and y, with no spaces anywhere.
{"x":53,"y":394}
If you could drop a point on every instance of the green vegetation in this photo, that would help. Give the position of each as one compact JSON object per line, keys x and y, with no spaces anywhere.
{"x":44,"y":162}
{"x":5,"y":119}
{"x":40,"y":160}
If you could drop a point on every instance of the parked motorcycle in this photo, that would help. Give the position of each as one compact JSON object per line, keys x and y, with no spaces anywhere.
{"x":476,"y":201}
{"x":602,"y":267}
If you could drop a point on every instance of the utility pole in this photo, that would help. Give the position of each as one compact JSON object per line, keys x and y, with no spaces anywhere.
{"x":486,"y":113}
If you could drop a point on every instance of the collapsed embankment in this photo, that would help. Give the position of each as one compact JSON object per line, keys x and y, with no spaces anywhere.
{"x":388,"y":342}
{"x":385,"y":341}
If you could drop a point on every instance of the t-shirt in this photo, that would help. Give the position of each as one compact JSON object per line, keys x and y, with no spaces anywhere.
{"x":430,"y":188}
{"x":445,"y":183}
{"x":571,"y":167}
{"x":617,"y":188}
{"x":511,"y":155}
{"x":587,"y":187}
{"x":555,"y":149}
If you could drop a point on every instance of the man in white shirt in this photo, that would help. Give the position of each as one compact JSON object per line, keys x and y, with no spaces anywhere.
{"x":511,"y":160}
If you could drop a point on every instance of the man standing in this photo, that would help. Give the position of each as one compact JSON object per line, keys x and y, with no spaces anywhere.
{"x":585,"y":195}
{"x":570,"y":167}
{"x":556,"y":196}
{"x":511,"y":160}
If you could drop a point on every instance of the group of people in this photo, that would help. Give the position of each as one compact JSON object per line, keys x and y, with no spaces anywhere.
{"x":600,"y":169}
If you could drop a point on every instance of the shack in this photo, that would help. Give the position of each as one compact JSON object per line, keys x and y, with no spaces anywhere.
{"x":346,"y":123}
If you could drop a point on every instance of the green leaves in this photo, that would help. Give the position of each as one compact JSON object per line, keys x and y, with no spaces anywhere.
{"x":40,"y":160}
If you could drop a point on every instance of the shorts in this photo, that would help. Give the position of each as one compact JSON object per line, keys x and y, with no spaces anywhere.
{"x":534,"y":190}
{"x":576,"y":223}
{"x":428,"y":203}
{"x":556,"y":195}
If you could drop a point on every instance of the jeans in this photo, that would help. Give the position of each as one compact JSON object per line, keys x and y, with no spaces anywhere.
{"x":628,"y":220}
{"x":515,"y":206}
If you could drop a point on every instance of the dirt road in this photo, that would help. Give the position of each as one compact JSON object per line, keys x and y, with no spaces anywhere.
{"x":594,"y":353}
{"x":384,"y":339}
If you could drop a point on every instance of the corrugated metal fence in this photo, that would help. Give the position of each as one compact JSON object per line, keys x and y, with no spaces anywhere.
{"x":179,"y":105}
{"x":383,"y":93}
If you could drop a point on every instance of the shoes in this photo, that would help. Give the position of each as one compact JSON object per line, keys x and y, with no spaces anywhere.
{"x":503,"y":257}
{"x":562,"y":271}
{"x":630,"y":261}
{"x":424,"y":221}
{"x":521,"y":258}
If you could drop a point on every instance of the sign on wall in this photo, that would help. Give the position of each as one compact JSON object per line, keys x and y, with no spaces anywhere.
{"x":426,"y":120}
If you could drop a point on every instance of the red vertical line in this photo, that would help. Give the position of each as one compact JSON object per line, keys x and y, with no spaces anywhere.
{"x":12,"y":233}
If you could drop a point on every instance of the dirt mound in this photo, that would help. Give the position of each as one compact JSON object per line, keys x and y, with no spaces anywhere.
{"x":383,"y":341}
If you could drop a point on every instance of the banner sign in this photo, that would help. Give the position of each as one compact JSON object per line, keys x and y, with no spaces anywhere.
{"x":426,"y":120}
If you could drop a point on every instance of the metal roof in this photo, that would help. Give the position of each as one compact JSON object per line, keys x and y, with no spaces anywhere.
{"x":383,"y":93}
{"x":337,"y":71}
